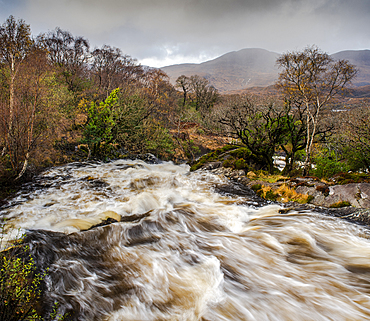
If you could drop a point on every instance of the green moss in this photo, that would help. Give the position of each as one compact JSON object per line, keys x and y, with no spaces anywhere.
{"x":240,"y":164}
{"x":232,"y":156}
{"x":242,"y":152}
{"x":256,"y":187}
{"x":212,"y":156}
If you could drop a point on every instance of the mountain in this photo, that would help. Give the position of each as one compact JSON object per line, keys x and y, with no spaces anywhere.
{"x":254,"y":67}
{"x":232,"y":71}
{"x":361,"y":59}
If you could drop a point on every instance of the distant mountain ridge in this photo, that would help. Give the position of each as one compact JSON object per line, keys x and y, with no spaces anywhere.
{"x":256,"y":67}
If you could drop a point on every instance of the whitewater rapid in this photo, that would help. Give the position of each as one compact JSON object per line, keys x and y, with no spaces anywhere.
{"x":185,"y":247}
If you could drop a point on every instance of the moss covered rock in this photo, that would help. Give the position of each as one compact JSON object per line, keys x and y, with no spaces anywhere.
{"x":231,"y":156}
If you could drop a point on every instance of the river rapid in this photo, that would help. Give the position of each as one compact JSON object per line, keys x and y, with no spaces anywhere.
{"x":189,"y":246}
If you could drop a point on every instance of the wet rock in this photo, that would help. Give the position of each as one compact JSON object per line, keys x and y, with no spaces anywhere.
{"x":319,"y":197}
{"x":108,"y":221}
{"x":149,"y":158}
{"x":211,"y":165}
{"x":241,"y":190}
{"x":359,"y":216}
{"x":134,"y":217}
{"x":358,"y":195}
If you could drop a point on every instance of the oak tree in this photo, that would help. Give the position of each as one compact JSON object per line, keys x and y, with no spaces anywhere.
{"x":260,"y":126}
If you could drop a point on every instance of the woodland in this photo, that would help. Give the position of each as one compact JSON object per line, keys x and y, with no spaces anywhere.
{"x":62,"y":101}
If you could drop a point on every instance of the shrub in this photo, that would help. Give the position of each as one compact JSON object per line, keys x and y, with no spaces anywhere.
{"x":19,"y":283}
{"x":266,"y":192}
{"x":100,"y":124}
{"x":327,"y":165}
{"x":346,"y":178}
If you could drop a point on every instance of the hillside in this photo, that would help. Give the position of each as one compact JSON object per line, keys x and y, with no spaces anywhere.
{"x":232,"y":71}
{"x":361,"y":59}
{"x":254,"y":67}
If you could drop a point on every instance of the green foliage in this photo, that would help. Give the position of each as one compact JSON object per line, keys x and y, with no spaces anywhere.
{"x":135,"y":128}
{"x":357,"y":155}
{"x":19,"y":283}
{"x":123,"y":122}
{"x":100,"y":123}
{"x":159,"y":141}
{"x":327,"y":164}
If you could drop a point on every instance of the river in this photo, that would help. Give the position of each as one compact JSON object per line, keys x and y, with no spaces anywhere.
{"x":190,"y":246}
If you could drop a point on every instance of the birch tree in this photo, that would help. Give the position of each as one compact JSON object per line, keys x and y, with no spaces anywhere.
{"x":312,"y":79}
{"x":15,"y":44}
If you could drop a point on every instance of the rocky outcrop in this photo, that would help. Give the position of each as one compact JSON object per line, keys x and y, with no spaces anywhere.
{"x":324,"y":195}
{"x":358,"y":195}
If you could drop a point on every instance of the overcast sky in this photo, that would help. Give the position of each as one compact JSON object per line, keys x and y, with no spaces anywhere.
{"x":164,"y":32}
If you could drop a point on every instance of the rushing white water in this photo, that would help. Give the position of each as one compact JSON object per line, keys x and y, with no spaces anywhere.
{"x":185,"y":251}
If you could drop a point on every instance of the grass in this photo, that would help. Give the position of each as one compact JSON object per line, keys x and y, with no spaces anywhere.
{"x":340,"y":204}
{"x":282,"y":194}
{"x":269,"y":178}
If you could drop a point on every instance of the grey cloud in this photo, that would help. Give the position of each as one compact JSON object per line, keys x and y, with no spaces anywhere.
{"x":162,"y":28}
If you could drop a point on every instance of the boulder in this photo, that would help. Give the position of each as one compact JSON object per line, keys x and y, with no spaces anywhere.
{"x":211,"y":165}
{"x":319,"y":197}
{"x":357,"y":194}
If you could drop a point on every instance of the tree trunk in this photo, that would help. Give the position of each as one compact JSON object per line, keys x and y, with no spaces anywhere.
{"x":25,"y":164}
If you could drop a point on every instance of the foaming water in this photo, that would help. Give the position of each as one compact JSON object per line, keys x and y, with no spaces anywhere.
{"x":185,"y":251}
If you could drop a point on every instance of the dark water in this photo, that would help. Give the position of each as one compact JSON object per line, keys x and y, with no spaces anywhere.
{"x":187,"y":249}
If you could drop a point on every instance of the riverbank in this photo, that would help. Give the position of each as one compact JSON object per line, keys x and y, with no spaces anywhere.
{"x":348,"y":200}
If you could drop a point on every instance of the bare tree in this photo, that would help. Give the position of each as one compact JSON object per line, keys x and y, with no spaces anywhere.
{"x":112,"y":69}
{"x":355,"y":137}
{"x":15,"y":44}
{"x":183,"y":83}
{"x":67,"y":52}
{"x":197,"y":92}
{"x":311,"y":78}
